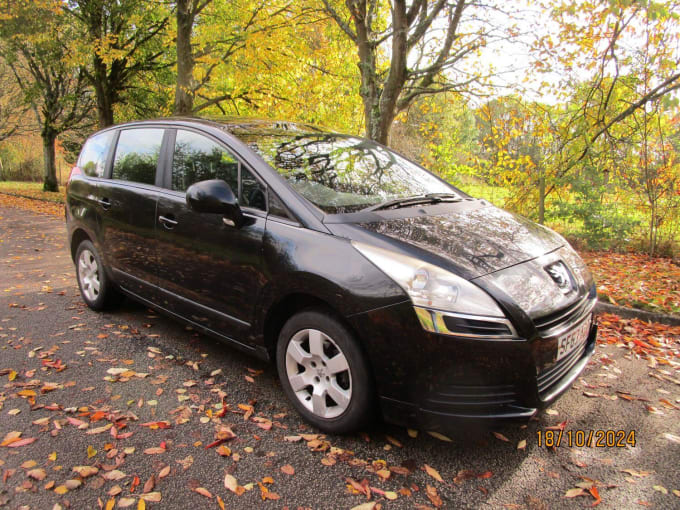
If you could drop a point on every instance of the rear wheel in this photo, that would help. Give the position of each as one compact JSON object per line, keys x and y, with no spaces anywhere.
{"x":95,"y":287}
{"x":324,"y":372}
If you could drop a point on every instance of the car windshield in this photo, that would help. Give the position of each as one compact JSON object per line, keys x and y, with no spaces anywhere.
{"x":341,"y":174}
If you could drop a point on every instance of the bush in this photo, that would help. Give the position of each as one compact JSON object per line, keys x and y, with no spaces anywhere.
{"x":21,"y":160}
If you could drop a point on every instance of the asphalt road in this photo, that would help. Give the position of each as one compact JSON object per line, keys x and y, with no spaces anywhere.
{"x":168,"y":373}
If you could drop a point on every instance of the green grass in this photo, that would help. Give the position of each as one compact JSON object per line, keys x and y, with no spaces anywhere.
{"x":32,"y":190}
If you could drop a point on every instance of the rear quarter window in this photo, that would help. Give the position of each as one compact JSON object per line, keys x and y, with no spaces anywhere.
{"x":92,"y":160}
{"x":137,"y":155}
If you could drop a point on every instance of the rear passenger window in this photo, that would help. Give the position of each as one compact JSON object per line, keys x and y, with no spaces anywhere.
{"x":198,"y":158}
{"x":137,"y":155}
{"x":92,"y":158}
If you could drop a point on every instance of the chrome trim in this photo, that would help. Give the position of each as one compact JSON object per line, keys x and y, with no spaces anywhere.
{"x":586,"y":310}
{"x":433,"y":321}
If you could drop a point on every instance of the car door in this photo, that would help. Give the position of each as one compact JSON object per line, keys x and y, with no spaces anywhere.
{"x":128,"y":209}
{"x":209,"y":271}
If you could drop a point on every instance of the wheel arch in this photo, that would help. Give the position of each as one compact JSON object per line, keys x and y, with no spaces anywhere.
{"x":78,"y":236}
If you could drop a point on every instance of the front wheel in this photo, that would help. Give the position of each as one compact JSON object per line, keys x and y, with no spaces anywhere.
{"x":95,"y":287}
{"x":324,"y":372}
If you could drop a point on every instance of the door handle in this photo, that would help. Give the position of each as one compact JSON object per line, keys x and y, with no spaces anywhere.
{"x":104,"y":202}
{"x":168,"y":221}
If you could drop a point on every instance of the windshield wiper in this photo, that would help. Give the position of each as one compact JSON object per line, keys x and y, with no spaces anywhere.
{"x":430,"y":198}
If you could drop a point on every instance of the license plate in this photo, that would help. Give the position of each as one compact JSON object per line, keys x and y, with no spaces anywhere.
{"x":573,"y":339}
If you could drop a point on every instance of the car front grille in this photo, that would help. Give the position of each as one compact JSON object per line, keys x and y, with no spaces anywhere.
{"x":551,"y":324}
{"x":548,"y":378}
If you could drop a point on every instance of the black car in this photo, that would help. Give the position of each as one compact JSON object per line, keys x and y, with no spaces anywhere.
{"x":376,"y":286}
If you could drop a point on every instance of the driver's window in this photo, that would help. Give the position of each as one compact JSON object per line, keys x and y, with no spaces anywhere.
{"x":198,"y":158}
{"x":253,"y":194}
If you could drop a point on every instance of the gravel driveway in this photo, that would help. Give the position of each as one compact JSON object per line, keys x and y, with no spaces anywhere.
{"x":108,"y":409}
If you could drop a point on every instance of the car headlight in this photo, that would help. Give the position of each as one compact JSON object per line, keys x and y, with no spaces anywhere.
{"x":444,"y":302}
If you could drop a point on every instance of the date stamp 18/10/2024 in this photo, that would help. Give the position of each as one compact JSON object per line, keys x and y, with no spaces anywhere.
{"x":587,"y":438}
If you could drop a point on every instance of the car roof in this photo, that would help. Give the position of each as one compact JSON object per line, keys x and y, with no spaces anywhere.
{"x":235,"y":125}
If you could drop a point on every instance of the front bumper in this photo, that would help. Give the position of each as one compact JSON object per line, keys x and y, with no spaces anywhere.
{"x":432,"y":381}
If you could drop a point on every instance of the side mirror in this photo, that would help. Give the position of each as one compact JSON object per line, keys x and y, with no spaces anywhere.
{"x":215,"y":196}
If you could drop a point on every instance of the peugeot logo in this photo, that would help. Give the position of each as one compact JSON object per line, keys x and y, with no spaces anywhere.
{"x":559,"y":272}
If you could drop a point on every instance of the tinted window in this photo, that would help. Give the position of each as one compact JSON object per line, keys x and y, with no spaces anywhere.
{"x":276,"y":207}
{"x":92,"y":159}
{"x":252,"y":192}
{"x":137,"y":155}
{"x":198,"y":158}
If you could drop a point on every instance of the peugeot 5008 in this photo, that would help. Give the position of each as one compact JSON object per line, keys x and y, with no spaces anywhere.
{"x":365,"y":277}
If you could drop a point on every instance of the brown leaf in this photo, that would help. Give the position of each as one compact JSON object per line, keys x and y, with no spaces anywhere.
{"x":85,"y":471}
{"x":433,"y":473}
{"x":501,"y":437}
{"x":114,"y":475}
{"x":203,"y":492}
{"x":37,"y":474}
{"x":433,"y":496}
{"x":573,"y":493}
{"x":149,"y":485}
{"x":153,"y":497}
{"x":288,"y":469}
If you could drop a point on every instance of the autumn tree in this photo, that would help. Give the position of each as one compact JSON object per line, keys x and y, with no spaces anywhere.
{"x":34,"y":44}
{"x":407,"y":51}
{"x":122,"y":40}
{"x":209,"y":36}
{"x":600,"y":47}
{"x":12,"y":106}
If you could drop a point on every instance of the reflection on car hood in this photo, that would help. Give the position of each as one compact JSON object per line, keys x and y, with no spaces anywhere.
{"x":478,"y":240}
{"x":532,"y":288}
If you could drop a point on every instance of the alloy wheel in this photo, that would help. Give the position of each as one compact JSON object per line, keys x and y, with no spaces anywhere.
{"x":319,"y":373}
{"x":88,"y":274}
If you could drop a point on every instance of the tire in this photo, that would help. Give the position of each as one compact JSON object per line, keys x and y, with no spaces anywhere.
{"x":324,"y":372}
{"x":96,"y":288}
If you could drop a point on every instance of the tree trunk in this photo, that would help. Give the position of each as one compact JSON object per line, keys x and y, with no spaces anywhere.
{"x":49,"y":137}
{"x":380,"y":101}
{"x":105,"y":100}
{"x":184,"y":96}
{"x":541,"y":198}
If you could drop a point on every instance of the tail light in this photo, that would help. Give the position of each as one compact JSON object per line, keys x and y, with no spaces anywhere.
{"x":74,"y":171}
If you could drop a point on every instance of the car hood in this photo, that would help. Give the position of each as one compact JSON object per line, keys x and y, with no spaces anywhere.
{"x":474,"y":237}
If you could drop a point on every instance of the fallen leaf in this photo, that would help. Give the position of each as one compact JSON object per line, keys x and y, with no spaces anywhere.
{"x":433,"y":496}
{"x":22,"y":442}
{"x":522,"y":444}
{"x":365,"y":506}
{"x":288,"y":469}
{"x":572,"y":493}
{"x":37,"y":474}
{"x":203,"y":492}
{"x":433,"y":473}
{"x":153,"y":497}
{"x":439,"y":436}
{"x":232,"y":484}
{"x":501,"y":437}
{"x":85,"y":471}
{"x":73,"y":484}
{"x":114,"y":476}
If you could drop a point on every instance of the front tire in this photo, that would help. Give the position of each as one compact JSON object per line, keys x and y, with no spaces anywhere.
{"x":324,"y":372}
{"x":96,"y":289}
